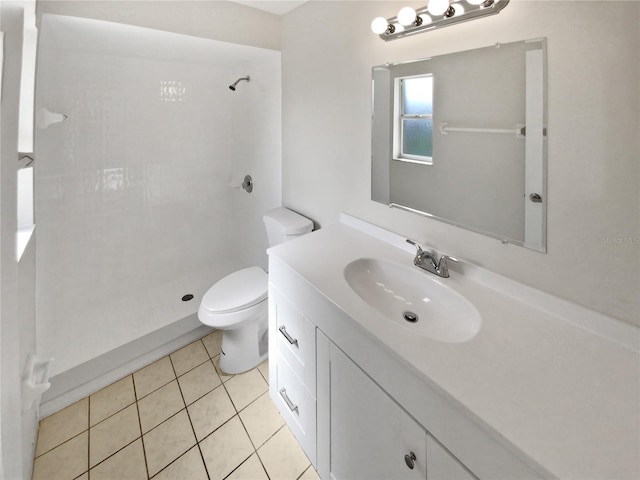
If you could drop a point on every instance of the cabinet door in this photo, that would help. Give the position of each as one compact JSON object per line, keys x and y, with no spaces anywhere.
{"x":441,"y":465}
{"x":369,"y":433}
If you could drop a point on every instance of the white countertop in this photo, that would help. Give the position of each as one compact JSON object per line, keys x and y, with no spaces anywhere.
{"x":568,"y":399}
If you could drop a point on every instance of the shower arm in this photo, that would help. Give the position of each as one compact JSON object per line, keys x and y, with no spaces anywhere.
{"x":232,"y":87}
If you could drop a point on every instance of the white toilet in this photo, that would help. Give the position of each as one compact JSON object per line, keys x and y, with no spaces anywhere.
{"x":237,"y":304}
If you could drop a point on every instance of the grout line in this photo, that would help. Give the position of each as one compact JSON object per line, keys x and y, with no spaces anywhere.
{"x":116,"y":452}
{"x":231,"y":399}
{"x":175,"y":377}
{"x":121,"y":448}
{"x":195,"y":436}
{"x":89,"y":436}
{"x":175,"y":460}
{"x":216,"y":429}
{"x":247,"y":432}
{"x":144,"y":450}
{"x":62,"y":443}
{"x":206,"y":469}
{"x":207,"y":392}
{"x":108,"y":417}
{"x":260,"y":372}
{"x":263,"y":467}
{"x":194,"y":367}
{"x":38,"y":439}
{"x":305,"y":471}
{"x":240,"y":464}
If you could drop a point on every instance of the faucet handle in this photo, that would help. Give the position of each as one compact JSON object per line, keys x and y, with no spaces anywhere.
{"x":420,"y":255}
{"x":415,"y":244}
{"x":443,"y":268}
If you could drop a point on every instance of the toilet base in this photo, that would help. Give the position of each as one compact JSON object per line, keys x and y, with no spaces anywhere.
{"x":244,"y":348}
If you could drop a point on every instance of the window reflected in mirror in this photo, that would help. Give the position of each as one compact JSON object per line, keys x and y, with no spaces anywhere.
{"x":415,"y":119}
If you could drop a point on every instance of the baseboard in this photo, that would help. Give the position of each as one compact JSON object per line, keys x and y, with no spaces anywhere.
{"x":76,"y":383}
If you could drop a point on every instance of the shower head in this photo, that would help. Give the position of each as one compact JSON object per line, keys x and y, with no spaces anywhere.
{"x":232,"y":87}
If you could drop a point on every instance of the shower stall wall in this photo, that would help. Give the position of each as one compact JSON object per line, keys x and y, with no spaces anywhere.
{"x":141,"y":149}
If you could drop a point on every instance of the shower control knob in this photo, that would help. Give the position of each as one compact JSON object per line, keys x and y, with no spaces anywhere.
{"x":410,"y":459}
{"x":247,"y":184}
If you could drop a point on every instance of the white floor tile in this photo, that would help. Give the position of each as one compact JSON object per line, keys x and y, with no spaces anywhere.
{"x":245,"y":388}
{"x":282,"y":456}
{"x":114,"y":433}
{"x":189,"y":466}
{"x":62,"y":426}
{"x":226,"y":448}
{"x":168,"y":441}
{"x":210,"y":412}
{"x":66,"y":461}
{"x":128,"y":464}
{"x":261,"y":419}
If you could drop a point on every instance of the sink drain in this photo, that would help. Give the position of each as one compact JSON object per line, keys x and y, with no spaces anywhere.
{"x":410,"y":317}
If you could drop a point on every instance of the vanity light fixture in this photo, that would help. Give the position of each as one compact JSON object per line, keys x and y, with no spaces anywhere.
{"x":436,"y":14}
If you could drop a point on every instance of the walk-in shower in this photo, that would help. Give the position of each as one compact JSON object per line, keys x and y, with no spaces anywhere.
{"x":232,"y":87}
{"x":138,"y":201}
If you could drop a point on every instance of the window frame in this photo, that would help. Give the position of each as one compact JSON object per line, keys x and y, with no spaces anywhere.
{"x":398,"y":124}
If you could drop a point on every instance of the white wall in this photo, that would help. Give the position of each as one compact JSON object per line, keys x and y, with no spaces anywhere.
{"x":213,"y":19}
{"x":17,"y":280}
{"x":593,"y":153}
{"x":138,"y":200}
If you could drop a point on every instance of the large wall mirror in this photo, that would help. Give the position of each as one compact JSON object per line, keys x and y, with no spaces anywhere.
{"x":462,"y":138}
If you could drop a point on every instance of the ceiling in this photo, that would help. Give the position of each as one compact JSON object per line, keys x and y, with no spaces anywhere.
{"x":279,"y":7}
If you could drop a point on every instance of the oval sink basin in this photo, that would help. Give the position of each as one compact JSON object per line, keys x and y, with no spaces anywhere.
{"x":417,"y":300}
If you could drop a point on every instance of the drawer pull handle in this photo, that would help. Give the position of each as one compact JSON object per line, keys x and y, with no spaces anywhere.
{"x":410,"y":459}
{"x":290,"y":339}
{"x":287,"y":400}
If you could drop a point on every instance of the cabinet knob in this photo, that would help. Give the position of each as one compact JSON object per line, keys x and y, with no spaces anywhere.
{"x":410,"y":459}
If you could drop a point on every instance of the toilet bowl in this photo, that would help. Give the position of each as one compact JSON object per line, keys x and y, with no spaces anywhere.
{"x":237,"y":304}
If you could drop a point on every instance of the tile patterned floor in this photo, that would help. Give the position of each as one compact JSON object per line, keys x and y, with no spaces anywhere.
{"x":179,"y":418}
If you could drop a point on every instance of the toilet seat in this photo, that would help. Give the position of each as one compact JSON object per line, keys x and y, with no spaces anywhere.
{"x":237,"y":291}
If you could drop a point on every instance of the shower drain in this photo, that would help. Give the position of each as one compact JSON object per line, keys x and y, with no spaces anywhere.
{"x":410,"y":317}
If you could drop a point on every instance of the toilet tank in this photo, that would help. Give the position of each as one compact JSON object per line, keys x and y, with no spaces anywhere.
{"x":283,"y":225}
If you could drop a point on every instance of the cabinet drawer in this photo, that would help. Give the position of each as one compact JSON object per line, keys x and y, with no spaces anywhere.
{"x":293,"y":336}
{"x":295,"y":403}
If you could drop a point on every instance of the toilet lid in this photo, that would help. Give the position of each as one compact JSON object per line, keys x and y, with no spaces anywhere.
{"x":236,"y":291}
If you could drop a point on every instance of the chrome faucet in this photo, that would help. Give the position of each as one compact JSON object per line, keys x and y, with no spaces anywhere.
{"x":426,"y":261}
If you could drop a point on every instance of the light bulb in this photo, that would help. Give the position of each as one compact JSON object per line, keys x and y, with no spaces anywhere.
{"x":379,"y":25}
{"x":406,"y":16}
{"x":475,"y":2}
{"x":459,"y":8}
{"x":426,"y":19}
{"x":438,"y":7}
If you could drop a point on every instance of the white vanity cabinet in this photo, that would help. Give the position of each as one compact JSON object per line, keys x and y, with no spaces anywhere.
{"x":346,"y":423}
{"x":354,"y":408}
{"x":352,"y":428}
{"x":523,"y":399}
{"x":364,"y":434}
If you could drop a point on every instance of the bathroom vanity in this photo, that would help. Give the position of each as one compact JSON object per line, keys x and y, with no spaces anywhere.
{"x":540,"y":388}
